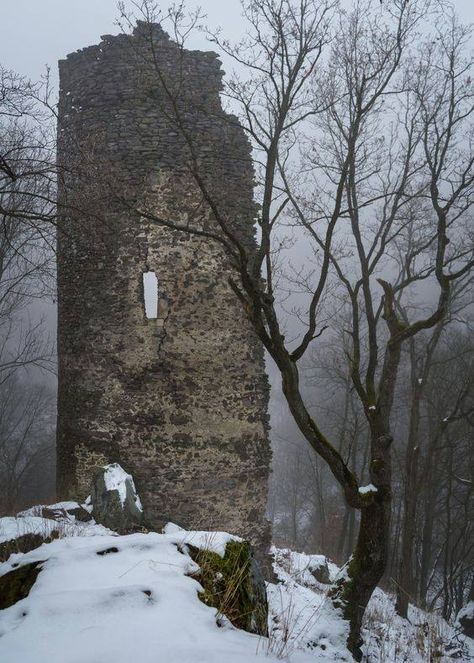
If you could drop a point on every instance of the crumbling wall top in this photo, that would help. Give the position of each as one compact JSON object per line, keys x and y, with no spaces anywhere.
{"x":143,"y":32}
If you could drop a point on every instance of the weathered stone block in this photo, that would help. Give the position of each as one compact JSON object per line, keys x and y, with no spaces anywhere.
{"x":114,"y":499}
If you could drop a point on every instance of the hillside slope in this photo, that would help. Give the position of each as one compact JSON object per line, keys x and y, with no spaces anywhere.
{"x":104,"y":598}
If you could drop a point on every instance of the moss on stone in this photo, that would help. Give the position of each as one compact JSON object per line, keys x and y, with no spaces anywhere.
{"x":233,"y":585}
{"x":25,"y":543}
{"x":16,"y":584}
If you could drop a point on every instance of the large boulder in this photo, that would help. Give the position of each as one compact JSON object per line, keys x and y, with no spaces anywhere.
{"x":115,"y":501}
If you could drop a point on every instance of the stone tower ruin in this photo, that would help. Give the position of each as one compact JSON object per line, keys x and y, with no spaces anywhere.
{"x":159,"y":368}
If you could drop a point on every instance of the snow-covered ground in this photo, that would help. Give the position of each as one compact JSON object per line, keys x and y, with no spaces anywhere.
{"x":112,"y":599}
{"x":104,"y":598}
{"x":12,"y":528}
{"x":425,"y":638}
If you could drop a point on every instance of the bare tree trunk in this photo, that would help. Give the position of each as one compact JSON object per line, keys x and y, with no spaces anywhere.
{"x":428,"y":520}
{"x":369,"y":559}
{"x":406,"y":589}
{"x":447,"y":560}
{"x":347,"y":538}
{"x":365,"y":569}
{"x":351,"y":534}
{"x":343,"y":538}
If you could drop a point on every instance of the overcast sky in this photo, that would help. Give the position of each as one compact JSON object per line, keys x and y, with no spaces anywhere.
{"x":36,"y":33}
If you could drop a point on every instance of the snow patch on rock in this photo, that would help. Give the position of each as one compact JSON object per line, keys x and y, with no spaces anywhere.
{"x":303,"y":618}
{"x":116,"y":599}
{"x":116,"y":478}
{"x":302,"y":568}
{"x":58,"y":506}
{"x":213,"y":541}
{"x":12,"y":528}
{"x":370,"y":488}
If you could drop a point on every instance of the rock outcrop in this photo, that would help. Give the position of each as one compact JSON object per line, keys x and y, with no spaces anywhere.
{"x":66,"y":510}
{"x":24,"y":543}
{"x":16,"y":584}
{"x":320,"y":571}
{"x":234,"y":585}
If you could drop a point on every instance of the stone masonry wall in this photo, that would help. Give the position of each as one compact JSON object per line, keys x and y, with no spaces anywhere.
{"x":180,"y":401}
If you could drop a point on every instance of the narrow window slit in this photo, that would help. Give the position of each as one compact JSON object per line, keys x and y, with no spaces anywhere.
{"x":150,"y":294}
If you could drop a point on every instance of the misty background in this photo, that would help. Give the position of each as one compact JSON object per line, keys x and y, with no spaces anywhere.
{"x":304,"y":505}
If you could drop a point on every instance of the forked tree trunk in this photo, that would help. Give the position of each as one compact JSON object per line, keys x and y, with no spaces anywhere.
{"x":368,"y":562}
{"x":365,"y":569}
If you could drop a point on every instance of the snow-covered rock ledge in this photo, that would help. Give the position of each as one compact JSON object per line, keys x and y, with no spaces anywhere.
{"x":115,"y":598}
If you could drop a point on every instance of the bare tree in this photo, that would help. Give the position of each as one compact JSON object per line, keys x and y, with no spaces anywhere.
{"x":27,"y":153}
{"x":443,"y":542}
{"x":421,"y":362}
{"x":27,"y":218}
{"x":26,"y":442}
{"x":27,"y":214}
{"x":362,"y":145}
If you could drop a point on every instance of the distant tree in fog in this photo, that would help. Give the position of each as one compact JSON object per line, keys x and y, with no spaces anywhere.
{"x":27,"y":218}
{"x":27,"y":423}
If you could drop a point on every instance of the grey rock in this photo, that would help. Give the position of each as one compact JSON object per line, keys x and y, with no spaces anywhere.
{"x":321,"y":573}
{"x":118,"y":508}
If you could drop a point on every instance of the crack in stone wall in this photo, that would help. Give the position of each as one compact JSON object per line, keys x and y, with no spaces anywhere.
{"x":180,"y":401}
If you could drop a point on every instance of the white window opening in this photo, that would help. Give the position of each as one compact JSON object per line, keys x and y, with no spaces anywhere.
{"x":150,"y":294}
